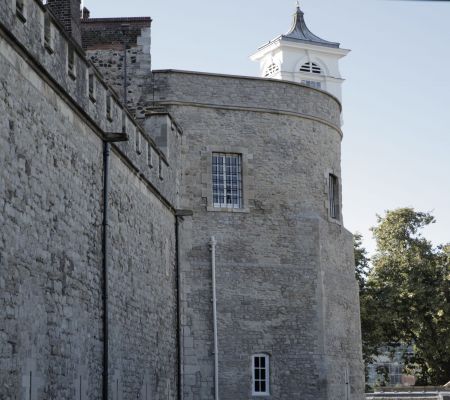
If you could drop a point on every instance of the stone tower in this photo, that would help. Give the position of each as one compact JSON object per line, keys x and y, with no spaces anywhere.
{"x":301,"y":56}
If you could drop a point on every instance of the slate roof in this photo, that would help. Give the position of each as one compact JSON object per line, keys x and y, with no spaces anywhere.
{"x":300,"y":32}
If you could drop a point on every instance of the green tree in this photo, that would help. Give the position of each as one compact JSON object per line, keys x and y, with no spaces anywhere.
{"x":406,"y":296}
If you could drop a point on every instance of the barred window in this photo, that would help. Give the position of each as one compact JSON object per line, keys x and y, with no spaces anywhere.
{"x":227,"y":180}
{"x":311,"y":67}
{"x":260,"y":373}
{"x":313,"y":84}
{"x":333,"y":193}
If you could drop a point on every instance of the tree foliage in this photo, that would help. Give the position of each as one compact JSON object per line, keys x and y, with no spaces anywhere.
{"x":405,"y":296}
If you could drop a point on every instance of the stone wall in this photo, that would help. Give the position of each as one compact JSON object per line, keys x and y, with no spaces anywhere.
{"x":51,"y":193}
{"x":285,"y":272}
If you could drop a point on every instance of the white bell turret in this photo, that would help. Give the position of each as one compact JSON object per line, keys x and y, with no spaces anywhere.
{"x":303,"y":57}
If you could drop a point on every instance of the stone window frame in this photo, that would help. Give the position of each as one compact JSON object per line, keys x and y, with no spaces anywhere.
{"x":71,"y":61}
{"x":327,"y":174}
{"x":92,"y":86}
{"x":266,"y":379}
{"x":21,"y":10}
{"x":48,"y":37}
{"x":150,"y":157}
{"x":109,"y":107}
{"x":138,"y":141}
{"x":228,"y":159}
{"x":247,"y":177}
{"x":160,"y":168}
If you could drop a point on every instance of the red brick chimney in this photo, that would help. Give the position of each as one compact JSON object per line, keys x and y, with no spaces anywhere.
{"x":68,"y":13}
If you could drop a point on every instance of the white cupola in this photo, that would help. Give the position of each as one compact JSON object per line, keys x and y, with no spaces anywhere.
{"x":301,"y":56}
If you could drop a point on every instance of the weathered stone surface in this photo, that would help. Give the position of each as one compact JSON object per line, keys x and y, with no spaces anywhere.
{"x":285,"y":275}
{"x":284,"y":267}
{"x":51,"y":189}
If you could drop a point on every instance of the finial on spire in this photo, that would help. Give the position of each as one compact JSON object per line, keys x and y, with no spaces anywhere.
{"x":298,"y":4}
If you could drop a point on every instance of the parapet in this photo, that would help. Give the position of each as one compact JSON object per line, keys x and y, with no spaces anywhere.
{"x":246,"y":94}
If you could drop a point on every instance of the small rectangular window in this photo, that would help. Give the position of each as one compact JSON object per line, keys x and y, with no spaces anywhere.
{"x":108,"y":107}
{"x":48,"y":42}
{"x":260,"y":375}
{"x":20,"y":10}
{"x":227,"y":180}
{"x":333,"y":193}
{"x":71,"y":61}
{"x":161,"y":172}
{"x":149,"y":155}
{"x":138,"y":142}
{"x":92,"y":86}
{"x":313,"y":84}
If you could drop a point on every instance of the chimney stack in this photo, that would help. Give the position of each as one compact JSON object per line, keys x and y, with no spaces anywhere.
{"x":86,"y":13}
{"x":68,"y":13}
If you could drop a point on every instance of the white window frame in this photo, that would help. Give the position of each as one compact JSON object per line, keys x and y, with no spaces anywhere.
{"x":240,"y":190}
{"x":266,"y":379}
{"x":311,"y":83}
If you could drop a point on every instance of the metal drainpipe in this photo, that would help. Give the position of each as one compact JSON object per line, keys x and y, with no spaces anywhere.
{"x":177,"y":279}
{"x":106,"y":151}
{"x":179,"y":214}
{"x":216,"y":345}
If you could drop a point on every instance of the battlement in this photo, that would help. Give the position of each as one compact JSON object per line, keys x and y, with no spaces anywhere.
{"x":37,"y":35}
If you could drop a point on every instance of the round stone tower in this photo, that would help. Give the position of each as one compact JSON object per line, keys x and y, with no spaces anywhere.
{"x":262,"y":174}
{"x":301,"y":56}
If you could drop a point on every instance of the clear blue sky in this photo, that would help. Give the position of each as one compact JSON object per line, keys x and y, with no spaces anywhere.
{"x":396,"y":148}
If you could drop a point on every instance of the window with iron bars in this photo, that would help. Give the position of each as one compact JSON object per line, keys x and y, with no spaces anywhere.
{"x":333,"y":193}
{"x":227,"y":180}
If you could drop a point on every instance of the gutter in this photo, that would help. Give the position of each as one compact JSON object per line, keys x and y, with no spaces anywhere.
{"x":179,"y":214}
{"x":213,"y":244}
{"x":113,"y":137}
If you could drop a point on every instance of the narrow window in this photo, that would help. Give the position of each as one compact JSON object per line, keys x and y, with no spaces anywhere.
{"x":227,"y":180}
{"x":48,"y":44}
{"x":20,"y":10}
{"x":108,"y":107}
{"x":92,"y":86}
{"x":260,"y":375}
{"x":138,"y":142}
{"x":71,"y":61}
{"x":161,"y":173}
{"x":333,"y":193}
{"x":149,"y":155}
